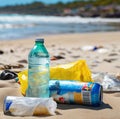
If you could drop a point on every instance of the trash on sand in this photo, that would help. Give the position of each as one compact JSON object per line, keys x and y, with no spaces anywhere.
{"x":73,"y":71}
{"x":102,"y":50}
{"x":88,"y":48}
{"x":57,"y":57}
{"x":77,"y":70}
{"x":99,"y":49}
{"x":23,"y":81}
{"x":7,"y":75}
{"x":9,"y":66}
{"x":75,"y":92}
{"x":109,"y":82}
{"x":28,"y":106}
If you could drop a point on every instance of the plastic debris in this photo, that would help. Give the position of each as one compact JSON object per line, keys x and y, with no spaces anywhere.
{"x":77,"y":70}
{"x":102,"y":50}
{"x":57,"y":57}
{"x":110,"y":83}
{"x":99,"y":49}
{"x":88,"y":48}
{"x":28,"y":106}
{"x":7,"y":75}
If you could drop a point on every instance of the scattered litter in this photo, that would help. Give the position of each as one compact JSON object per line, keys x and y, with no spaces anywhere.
{"x":57,"y":57}
{"x":77,"y":70}
{"x":14,"y":66}
{"x":9,"y":66}
{"x":102,"y":50}
{"x":99,"y":49}
{"x":71,"y":92}
{"x":88,"y":48}
{"x":7,"y":75}
{"x":110,"y":83}
{"x":28,"y":106}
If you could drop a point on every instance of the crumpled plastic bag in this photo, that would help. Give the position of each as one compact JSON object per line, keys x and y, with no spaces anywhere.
{"x":109,"y":82}
{"x":28,"y":106}
{"x":73,"y":71}
{"x":23,"y":80}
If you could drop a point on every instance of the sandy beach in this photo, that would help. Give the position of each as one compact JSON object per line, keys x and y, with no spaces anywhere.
{"x":70,"y":47}
{"x":101,"y":51}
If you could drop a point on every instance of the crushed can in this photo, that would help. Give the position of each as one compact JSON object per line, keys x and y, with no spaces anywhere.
{"x":74,"y":92}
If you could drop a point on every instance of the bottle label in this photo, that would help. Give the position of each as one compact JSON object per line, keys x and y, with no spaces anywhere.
{"x":38,"y":73}
{"x":38,"y":78}
{"x":39,"y":61}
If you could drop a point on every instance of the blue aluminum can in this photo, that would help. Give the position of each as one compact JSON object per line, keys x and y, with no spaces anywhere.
{"x":74,"y":92}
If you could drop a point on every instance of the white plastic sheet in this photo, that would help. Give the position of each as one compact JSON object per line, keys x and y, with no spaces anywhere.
{"x":26,"y":106}
{"x":109,"y":82}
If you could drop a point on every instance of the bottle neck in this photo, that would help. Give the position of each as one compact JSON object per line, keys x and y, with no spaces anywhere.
{"x":39,"y":43}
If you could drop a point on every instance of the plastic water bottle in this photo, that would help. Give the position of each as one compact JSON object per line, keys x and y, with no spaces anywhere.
{"x":38,"y":71}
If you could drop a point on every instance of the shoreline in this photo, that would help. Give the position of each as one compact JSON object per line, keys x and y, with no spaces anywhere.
{"x":23,"y":26}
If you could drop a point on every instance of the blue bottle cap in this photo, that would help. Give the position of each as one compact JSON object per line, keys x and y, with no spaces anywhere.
{"x":40,"y":40}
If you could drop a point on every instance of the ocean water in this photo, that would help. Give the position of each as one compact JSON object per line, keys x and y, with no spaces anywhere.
{"x":14,"y":26}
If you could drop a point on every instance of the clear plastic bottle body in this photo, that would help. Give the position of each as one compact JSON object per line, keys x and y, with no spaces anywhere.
{"x":38,"y":71}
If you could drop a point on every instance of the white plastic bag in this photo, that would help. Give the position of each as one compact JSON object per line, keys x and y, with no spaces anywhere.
{"x":109,"y":82}
{"x":27,"y":106}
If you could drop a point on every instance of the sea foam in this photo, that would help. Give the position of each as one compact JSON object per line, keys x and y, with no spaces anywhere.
{"x":54,"y":19}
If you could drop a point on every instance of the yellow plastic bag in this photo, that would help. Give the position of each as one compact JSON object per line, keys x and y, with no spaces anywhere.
{"x":73,"y":71}
{"x":23,"y":80}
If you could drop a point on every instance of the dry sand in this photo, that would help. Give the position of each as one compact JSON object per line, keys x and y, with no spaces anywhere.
{"x":69,"y":47}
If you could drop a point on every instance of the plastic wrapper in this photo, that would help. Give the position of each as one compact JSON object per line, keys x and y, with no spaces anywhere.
{"x":110,"y":82}
{"x":26,"y":106}
{"x":73,"y":71}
